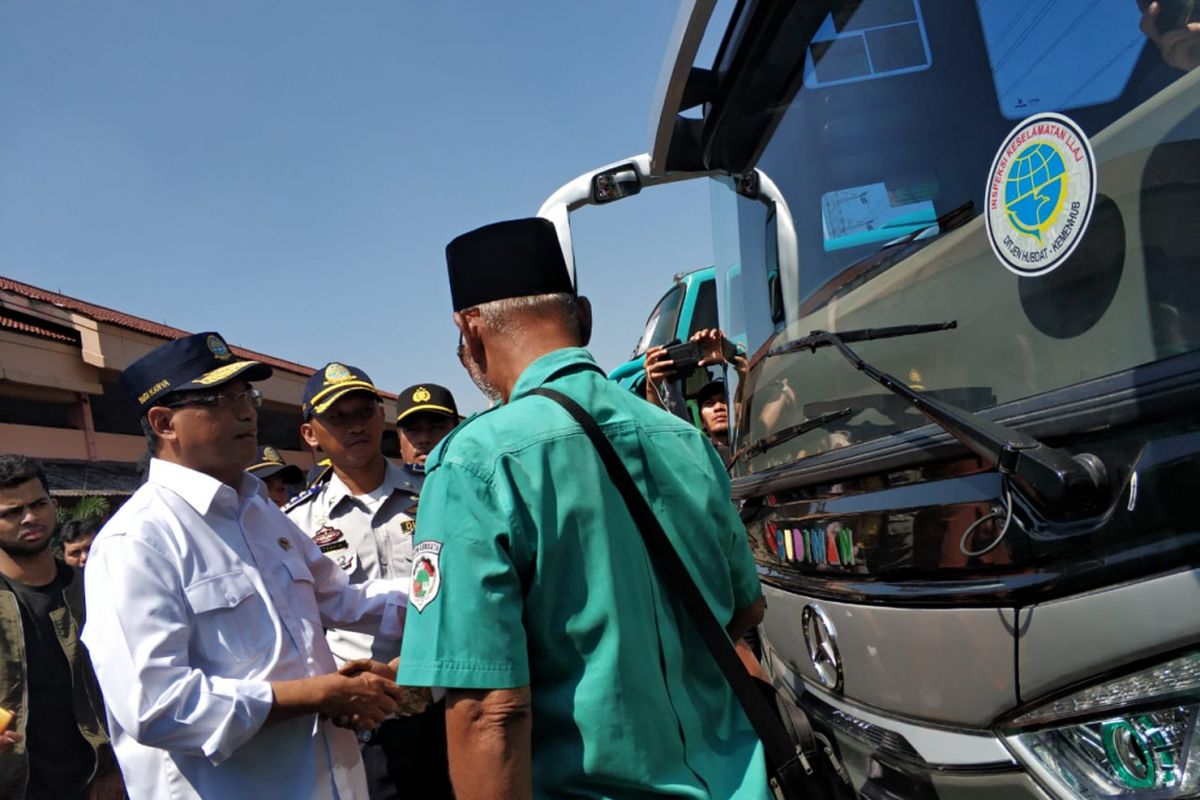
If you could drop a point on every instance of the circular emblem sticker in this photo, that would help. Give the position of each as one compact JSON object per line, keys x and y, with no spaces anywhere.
{"x":336,"y":373}
{"x":269,"y":454}
{"x":1040,"y":194}
{"x":217,"y":346}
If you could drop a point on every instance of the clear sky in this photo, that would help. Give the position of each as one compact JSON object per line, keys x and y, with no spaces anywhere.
{"x":288,"y":173}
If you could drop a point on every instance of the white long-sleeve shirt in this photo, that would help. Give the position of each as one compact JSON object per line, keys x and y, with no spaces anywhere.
{"x":198,"y":596}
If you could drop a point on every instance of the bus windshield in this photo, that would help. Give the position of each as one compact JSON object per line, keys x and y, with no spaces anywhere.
{"x":1029,"y":170}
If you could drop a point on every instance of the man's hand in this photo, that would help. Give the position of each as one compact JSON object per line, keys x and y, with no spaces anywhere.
{"x":8,"y":739}
{"x":415,"y":699}
{"x":360,"y":665}
{"x":658,"y":368}
{"x":711,"y":341}
{"x":366,"y":699}
{"x":1180,"y":47}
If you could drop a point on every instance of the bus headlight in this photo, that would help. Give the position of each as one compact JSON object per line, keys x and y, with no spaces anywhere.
{"x":1133,"y":737}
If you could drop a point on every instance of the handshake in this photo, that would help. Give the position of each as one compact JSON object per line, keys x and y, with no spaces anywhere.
{"x":363,"y":693}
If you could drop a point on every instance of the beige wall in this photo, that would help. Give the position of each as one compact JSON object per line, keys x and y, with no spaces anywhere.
{"x":63,"y":443}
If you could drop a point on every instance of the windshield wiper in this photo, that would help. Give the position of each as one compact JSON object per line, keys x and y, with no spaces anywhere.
{"x":820,"y":338}
{"x":1049,"y":476}
{"x":786,"y":434}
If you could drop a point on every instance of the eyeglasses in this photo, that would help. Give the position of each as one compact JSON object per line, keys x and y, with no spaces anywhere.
{"x":220,"y":400}
{"x":462,"y":348}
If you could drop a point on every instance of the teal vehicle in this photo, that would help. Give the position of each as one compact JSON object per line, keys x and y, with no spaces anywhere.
{"x":690,"y":305}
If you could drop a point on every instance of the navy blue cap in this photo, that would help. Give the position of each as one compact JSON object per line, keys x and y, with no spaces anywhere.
{"x":328,"y":384}
{"x":269,"y":463}
{"x":196,"y":362}
{"x":517,"y":258}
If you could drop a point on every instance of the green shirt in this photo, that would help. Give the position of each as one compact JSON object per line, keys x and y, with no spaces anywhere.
{"x":529,"y":571}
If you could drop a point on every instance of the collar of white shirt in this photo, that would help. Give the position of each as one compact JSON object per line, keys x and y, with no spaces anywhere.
{"x":394,"y":479}
{"x":201,"y":491}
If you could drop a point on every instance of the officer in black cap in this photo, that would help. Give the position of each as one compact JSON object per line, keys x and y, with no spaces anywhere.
{"x":361,"y":513}
{"x":425,"y":413}
{"x":277,"y":474}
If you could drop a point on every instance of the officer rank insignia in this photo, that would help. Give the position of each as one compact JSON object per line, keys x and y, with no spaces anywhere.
{"x":426,"y":575}
{"x":330,"y":540}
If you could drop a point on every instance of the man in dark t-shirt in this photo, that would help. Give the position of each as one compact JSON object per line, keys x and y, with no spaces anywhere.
{"x":55,"y":745}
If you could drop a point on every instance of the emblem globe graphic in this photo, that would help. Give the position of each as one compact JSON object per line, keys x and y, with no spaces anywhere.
{"x":1034,"y":189}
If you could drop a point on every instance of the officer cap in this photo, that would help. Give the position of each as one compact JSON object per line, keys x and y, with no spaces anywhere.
{"x":331,"y":382}
{"x":426,"y":397}
{"x":269,"y":463}
{"x":193,"y":363}
{"x":517,"y":258}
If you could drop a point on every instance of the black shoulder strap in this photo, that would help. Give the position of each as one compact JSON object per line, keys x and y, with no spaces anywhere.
{"x":778,"y":746}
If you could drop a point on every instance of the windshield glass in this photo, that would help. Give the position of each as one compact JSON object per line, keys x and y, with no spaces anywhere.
{"x":660,"y":328}
{"x":1030,"y":170}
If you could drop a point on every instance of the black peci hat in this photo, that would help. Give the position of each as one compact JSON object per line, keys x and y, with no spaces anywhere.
{"x":193,"y":363}
{"x":517,"y":258}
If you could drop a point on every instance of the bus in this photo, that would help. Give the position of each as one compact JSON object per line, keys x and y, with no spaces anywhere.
{"x":959,"y":239}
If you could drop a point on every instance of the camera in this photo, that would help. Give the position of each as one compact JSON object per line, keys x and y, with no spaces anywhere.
{"x":684,"y":356}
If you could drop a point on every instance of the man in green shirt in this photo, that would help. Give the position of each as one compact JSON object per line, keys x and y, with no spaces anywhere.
{"x":570,"y":668}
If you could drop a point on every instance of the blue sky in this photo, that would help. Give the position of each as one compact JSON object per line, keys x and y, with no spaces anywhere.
{"x":288,"y":173}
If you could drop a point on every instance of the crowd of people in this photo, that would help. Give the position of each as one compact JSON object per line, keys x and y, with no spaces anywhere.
{"x":222,"y":638}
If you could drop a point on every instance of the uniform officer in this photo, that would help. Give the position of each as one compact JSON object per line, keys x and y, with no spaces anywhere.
{"x":206,"y":606}
{"x":577,"y":674}
{"x":425,"y":413}
{"x":270,"y":468}
{"x":360,"y":513}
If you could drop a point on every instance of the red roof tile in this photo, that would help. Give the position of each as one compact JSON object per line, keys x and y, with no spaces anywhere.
{"x":102,"y":314}
{"x":35,"y":330}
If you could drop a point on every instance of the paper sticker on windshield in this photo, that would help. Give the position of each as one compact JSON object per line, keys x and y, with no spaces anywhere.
{"x":1040,"y":194}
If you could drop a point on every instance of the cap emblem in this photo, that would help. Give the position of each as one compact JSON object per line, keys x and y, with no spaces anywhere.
{"x":421,"y":395}
{"x":336,"y":373}
{"x":269,"y":454}
{"x":217,"y":346}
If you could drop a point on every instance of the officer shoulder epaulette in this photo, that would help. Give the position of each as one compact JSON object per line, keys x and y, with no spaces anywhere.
{"x":312,"y":491}
{"x":302,"y":498}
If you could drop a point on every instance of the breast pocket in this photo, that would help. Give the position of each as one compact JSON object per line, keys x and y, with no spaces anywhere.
{"x":230,"y":622}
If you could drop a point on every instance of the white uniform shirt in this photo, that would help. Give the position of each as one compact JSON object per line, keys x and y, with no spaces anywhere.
{"x":369,"y":536}
{"x":198,"y":596}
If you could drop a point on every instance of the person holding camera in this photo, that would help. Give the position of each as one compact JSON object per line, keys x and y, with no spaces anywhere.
{"x":665,"y":365}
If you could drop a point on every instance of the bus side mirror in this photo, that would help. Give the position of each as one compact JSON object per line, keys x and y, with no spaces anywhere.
{"x":616,"y":184}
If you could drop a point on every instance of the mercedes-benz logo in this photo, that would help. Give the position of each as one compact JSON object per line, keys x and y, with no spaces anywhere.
{"x":820,"y":638}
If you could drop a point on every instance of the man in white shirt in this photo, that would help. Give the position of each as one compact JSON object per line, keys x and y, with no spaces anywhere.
{"x":361,"y":514}
{"x":206,"y":607}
